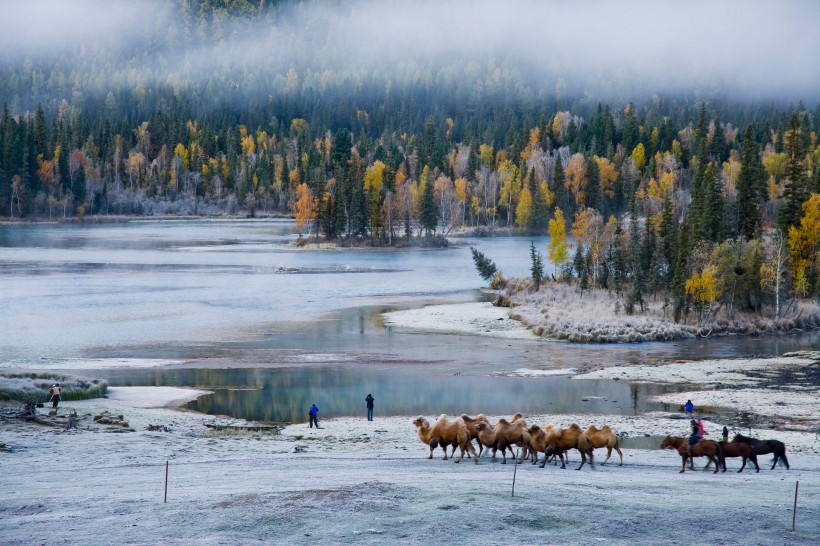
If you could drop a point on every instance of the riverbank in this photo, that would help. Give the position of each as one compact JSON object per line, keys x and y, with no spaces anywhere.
{"x":355,"y":481}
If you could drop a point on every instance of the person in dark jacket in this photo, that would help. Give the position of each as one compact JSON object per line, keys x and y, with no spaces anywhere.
{"x":694,"y":436}
{"x":314,"y":416}
{"x":725,"y":434}
{"x":369,"y":401}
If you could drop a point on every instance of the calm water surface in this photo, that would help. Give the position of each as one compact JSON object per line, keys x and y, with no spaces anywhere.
{"x":236,"y":290}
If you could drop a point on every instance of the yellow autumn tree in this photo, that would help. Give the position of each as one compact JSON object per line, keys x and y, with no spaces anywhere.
{"x":305,"y":207}
{"x":638,"y":156}
{"x":523,"y":212}
{"x":608,"y":175}
{"x":703,"y":289}
{"x":804,"y":245}
{"x":557,"y":247}
{"x":575,"y":177}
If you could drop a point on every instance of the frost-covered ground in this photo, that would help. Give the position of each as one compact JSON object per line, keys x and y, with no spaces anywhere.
{"x":773,"y":387}
{"x":354,"y":481}
{"x":479,"y":318}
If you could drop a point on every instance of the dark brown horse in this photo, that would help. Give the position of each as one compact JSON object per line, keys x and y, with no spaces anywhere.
{"x":704,"y":448}
{"x":738,"y":449}
{"x":763,"y":447}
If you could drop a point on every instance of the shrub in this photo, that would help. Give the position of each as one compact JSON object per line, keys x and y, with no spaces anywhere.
{"x":36,"y":385}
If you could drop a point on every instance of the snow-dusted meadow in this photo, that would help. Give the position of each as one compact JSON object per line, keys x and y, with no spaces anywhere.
{"x":354,"y":481}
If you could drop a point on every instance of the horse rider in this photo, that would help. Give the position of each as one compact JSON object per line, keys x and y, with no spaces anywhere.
{"x":694,"y":436}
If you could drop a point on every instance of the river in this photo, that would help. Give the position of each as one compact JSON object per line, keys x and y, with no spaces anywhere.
{"x":236,"y":290}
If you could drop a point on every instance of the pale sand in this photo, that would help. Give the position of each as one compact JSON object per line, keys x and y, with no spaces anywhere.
{"x":478,"y":318}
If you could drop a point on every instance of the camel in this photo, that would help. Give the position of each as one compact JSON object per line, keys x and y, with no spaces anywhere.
{"x":572,"y":437}
{"x":445,"y":432}
{"x":471,"y":423}
{"x":538,"y":441}
{"x":604,"y":437}
{"x":492,"y":436}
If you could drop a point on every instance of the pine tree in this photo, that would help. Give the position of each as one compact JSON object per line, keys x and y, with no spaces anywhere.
{"x":536,"y":267}
{"x":668,"y":235}
{"x":749,"y":188}
{"x":701,"y":130}
{"x":717,"y":145}
{"x":679,"y":299}
{"x":485,"y":266}
{"x":796,"y":189}
{"x":592,"y":196}
{"x":712,"y":219}
{"x":429,"y":213}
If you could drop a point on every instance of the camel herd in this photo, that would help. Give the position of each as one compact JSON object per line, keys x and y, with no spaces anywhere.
{"x":555,"y":442}
{"x":505,"y":435}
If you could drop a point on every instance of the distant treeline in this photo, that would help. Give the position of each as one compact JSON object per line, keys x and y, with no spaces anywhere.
{"x":651,"y":189}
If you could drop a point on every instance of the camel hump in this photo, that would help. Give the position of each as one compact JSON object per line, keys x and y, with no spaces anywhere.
{"x":442,"y":417}
{"x":517,"y":416}
{"x":592,"y":429}
{"x":575,"y":427}
{"x":503,"y":421}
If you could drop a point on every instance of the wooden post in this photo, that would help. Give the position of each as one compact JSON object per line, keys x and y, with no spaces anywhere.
{"x":166,"y":481}
{"x":794,"y":512}
{"x":515,"y":469}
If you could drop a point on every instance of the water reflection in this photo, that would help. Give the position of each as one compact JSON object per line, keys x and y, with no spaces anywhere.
{"x":286,"y":394}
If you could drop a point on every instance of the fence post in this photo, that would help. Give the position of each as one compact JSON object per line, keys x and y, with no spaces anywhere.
{"x":794,"y":512}
{"x":166,"y":481}
{"x":515,"y":470}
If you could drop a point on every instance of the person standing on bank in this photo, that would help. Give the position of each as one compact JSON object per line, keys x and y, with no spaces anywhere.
{"x":369,"y":401}
{"x":314,"y":416}
{"x":55,"y":393}
{"x":689,"y":407}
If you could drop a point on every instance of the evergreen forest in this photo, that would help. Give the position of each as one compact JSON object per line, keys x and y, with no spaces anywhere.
{"x":710,"y":194}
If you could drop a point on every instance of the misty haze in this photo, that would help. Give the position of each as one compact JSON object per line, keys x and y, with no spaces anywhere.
{"x":270,"y":268}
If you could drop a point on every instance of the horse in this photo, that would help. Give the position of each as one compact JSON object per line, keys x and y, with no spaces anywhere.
{"x":763,"y":447}
{"x":704,"y":448}
{"x":738,"y":449}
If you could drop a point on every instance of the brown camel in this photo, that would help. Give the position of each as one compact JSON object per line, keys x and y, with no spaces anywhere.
{"x":538,"y":441}
{"x":604,"y":437}
{"x":471,"y":423}
{"x":490,"y":437}
{"x":445,"y":432}
{"x":572,"y":437}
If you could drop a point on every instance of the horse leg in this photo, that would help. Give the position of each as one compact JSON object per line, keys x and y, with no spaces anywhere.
{"x":683,"y":466}
{"x":774,"y":462}
{"x":753,"y":458}
{"x":743,"y":465}
{"x":717,"y":463}
{"x":784,"y":459}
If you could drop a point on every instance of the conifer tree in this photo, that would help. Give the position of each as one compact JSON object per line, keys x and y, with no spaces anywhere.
{"x":796,"y":189}
{"x":592,"y":195}
{"x":485,"y":266}
{"x":536,"y":267}
{"x":429,"y":213}
{"x":750,"y":188}
{"x":668,"y":235}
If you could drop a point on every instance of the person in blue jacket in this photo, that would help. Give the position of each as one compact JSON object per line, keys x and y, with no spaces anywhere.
{"x":689,"y":407}
{"x":314,"y":416}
